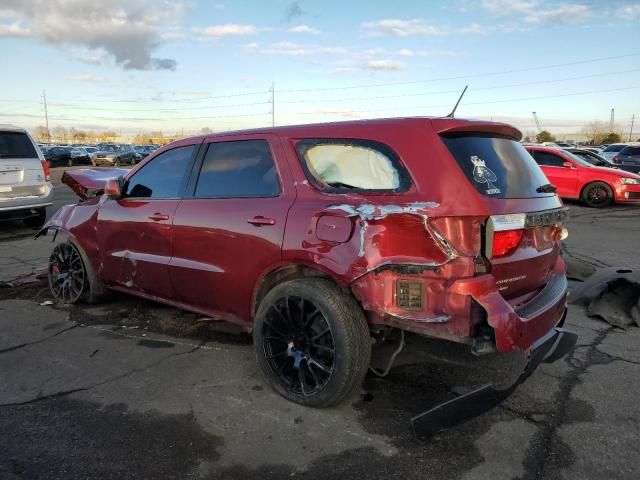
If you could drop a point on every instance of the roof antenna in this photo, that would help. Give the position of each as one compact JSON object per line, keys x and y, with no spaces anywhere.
{"x":458,"y":102}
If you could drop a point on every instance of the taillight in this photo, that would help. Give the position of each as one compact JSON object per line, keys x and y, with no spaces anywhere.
{"x":45,"y":169}
{"x":505,"y":242}
{"x":504,"y":234}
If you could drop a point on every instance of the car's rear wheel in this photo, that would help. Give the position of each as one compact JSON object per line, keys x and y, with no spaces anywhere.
{"x":312,"y":342}
{"x":597,"y":195}
{"x":36,"y":220}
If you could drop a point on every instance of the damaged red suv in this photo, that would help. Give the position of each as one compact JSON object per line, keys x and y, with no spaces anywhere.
{"x":314,"y":237}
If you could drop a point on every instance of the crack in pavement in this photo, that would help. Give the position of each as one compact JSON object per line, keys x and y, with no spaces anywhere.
{"x":104,"y":382}
{"x":35,"y":342}
{"x":615,"y":358}
{"x":541,"y":448}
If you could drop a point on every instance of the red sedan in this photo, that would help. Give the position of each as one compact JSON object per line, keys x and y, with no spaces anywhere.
{"x":575,"y":178}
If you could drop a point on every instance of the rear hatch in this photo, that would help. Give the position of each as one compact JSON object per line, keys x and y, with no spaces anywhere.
{"x":21,"y":170}
{"x":521,"y":243}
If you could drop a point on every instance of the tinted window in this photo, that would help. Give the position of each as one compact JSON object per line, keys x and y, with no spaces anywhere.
{"x":630,"y":151}
{"x":345,"y":164}
{"x":238,"y":169}
{"x":613,"y":148}
{"x":16,"y":145}
{"x":547,"y":159}
{"x":498,"y":167}
{"x":163,"y":176}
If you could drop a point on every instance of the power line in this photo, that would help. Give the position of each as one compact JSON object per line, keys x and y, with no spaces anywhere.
{"x":489,"y":102}
{"x":461,"y":77}
{"x":495,"y":87}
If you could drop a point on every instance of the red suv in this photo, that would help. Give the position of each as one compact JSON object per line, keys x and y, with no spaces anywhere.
{"x":575,"y":178}
{"x":316,"y":237}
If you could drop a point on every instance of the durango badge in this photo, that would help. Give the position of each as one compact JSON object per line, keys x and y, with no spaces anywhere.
{"x":482,"y":174}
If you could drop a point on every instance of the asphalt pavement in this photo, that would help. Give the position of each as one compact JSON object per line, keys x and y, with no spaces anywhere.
{"x":132,"y":389}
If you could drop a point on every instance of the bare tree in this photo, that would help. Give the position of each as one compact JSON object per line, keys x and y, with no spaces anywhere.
{"x":595,"y":131}
{"x":41,"y":134}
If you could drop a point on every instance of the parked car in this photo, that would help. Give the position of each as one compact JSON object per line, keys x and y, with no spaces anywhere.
{"x":590,"y":157}
{"x":92,"y":151}
{"x":575,"y":178}
{"x":79,"y":156}
{"x":25,"y":187}
{"x":628,"y":158}
{"x":59,"y":157}
{"x":111,"y":154}
{"x":317,"y":237}
{"x":610,"y":151}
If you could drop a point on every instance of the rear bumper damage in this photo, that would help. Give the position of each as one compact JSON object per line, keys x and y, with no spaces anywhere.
{"x":551,"y":347}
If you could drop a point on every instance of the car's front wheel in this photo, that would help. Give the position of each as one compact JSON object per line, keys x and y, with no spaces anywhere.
{"x":312,"y":342}
{"x":71,"y":275}
{"x":597,"y":195}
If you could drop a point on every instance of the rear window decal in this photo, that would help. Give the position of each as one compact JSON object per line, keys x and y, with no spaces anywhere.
{"x":483,"y":174}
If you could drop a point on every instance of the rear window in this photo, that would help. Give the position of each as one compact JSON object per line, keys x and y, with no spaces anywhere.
{"x":613,"y":148}
{"x":497,"y":167}
{"x":16,"y":145}
{"x":630,"y":151}
{"x":345,"y":164}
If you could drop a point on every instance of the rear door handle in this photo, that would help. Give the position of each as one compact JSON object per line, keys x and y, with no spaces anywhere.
{"x":157,"y":217}
{"x":260,"y":220}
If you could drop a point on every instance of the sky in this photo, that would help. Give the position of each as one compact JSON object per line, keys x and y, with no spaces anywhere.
{"x":182,"y":65}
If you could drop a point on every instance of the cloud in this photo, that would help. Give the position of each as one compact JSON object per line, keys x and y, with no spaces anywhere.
{"x":128,"y":30}
{"x":370,"y":65}
{"x":84,"y":77}
{"x":401,"y":28}
{"x":567,"y":13}
{"x":14,"y":29}
{"x":628,"y":12}
{"x":290,"y":49}
{"x":294,"y":10}
{"x":227,"y":30}
{"x":503,"y":8}
{"x":304,"y":29}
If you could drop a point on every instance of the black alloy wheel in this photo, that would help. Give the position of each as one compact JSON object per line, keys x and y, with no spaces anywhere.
{"x":298,"y":345}
{"x":598,"y":195}
{"x":67,"y":274}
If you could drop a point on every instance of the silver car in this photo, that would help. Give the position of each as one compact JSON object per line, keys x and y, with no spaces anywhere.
{"x":612,"y":150}
{"x":25,"y":187}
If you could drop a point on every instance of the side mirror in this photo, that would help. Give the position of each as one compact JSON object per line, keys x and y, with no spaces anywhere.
{"x":568,"y":165}
{"x":112,"y":188}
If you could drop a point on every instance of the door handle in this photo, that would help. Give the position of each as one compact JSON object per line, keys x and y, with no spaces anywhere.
{"x":156,"y":217}
{"x":260,"y":220}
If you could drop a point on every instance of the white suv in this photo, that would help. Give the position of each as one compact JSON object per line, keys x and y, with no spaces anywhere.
{"x":25,"y":187}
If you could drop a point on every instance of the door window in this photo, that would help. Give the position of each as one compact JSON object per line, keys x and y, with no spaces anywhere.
{"x":238,"y":169}
{"x":547,"y":159}
{"x":163,"y":176}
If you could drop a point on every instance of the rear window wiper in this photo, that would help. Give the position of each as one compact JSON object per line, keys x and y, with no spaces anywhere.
{"x":547,"y":188}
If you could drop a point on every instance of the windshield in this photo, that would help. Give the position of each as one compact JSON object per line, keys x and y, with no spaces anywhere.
{"x":579,"y":160}
{"x":16,"y":145}
{"x":498,"y":167}
{"x":591,"y":158}
{"x":110,"y":148}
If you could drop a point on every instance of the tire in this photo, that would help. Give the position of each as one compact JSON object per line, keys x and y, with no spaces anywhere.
{"x":597,"y":195}
{"x":71,"y":275}
{"x":70,"y":163}
{"x":37,"y":220}
{"x":312,"y":342}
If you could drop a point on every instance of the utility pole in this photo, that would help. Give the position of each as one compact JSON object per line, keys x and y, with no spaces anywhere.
{"x":46,"y":115}
{"x":633,"y":117}
{"x":611,"y":120}
{"x":273,"y":104}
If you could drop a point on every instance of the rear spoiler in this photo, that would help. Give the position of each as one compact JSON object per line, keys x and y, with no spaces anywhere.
{"x":89,"y":182}
{"x":458,"y":127}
